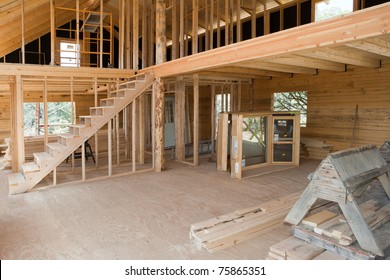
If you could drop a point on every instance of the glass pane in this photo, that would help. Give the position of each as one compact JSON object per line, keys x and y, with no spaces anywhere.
{"x":283,"y":152}
{"x":283,"y":130}
{"x":254,"y":140}
{"x":332,"y":8}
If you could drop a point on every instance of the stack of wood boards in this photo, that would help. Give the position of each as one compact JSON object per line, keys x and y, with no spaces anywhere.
{"x":316,"y":148}
{"x":226,"y":230}
{"x":338,"y":228}
{"x":293,"y":248}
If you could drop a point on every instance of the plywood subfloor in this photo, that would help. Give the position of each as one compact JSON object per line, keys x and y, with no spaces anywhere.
{"x":141,"y":216}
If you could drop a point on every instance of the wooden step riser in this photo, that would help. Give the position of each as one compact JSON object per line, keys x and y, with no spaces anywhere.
{"x":41,"y":163}
{"x":107,"y":103}
{"x":75,"y":130}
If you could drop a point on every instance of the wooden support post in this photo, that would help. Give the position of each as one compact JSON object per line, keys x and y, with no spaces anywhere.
{"x":141,"y":129}
{"x":52,"y":33}
{"x":213,"y":120}
{"x":152,"y":34}
{"x":196,"y":120}
{"x":95,"y":89}
{"x":195,"y":10}
{"x":266,"y":19}
{"x":121,"y":33}
{"x":45,"y":117}
{"x":125,"y":129}
{"x":22,"y":23}
{"x":281,"y":17}
{"x":211,"y":24}
{"x":181,"y":36}
{"x":180,"y":119}
{"x":161,"y":48}
{"x":101,"y":35}
{"x":109,"y":129}
{"x":207,"y":25}
{"x":144,"y":36}
{"x":117,"y":139}
{"x":298,"y":12}
{"x":227,"y":23}
{"x":251,"y":97}
{"x":83,"y":161}
{"x":133,"y":135}
{"x":135,"y":33}
{"x":175,"y":30}
{"x":78,"y":33}
{"x":231,"y":25}
{"x":158,"y":93}
{"x":18,"y":156}
{"x":253,"y":19}
{"x":218,"y":25}
{"x":186,"y":28}
{"x":239,"y":89}
{"x":127,"y":39}
{"x":238,"y":22}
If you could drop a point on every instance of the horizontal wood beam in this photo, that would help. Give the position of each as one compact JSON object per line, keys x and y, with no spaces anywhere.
{"x":347,"y":57}
{"x":56,"y":71}
{"x":259,"y":64}
{"x":362,"y":24}
{"x":374,"y":45}
{"x":239,"y":71}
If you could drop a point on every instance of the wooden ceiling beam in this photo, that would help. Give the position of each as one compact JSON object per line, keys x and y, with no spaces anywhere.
{"x":342,"y":56}
{"x":309,"y":62}
{"x":263,"y":65}
{"x":249,"y":72}
{"x":374,"y":45}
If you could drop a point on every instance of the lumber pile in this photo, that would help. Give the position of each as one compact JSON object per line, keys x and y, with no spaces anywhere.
{"x":315,"y":148}
{"x":339,"y":229}
{"x":226,"y":230}
{"x":294,"y":248}
{"x":385,"y":151}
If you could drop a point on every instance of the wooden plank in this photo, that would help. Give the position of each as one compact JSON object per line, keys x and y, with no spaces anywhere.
{"x":18,"y":157}
{"x":318,"y":218}
{"x":135,"y":33}
{"x":329,"y":244}
{"x":180,"y":119}
{"x":133,"y":135}
{"x":109,"y":143}
{"x":327,"y":255}
{"x":52,"y":33}
{"x":222,"y":139}
{"x":141,"y":129}
{"x":181,"y":31}
{"x":294,"y":248}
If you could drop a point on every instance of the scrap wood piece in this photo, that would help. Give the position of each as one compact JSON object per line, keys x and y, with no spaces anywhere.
{"x":318,"y":218}
{"x":294,"y":248}
{"x":226,"y":230}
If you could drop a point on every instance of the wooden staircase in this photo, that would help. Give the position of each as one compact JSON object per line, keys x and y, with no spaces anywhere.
{"x":32,"y":173}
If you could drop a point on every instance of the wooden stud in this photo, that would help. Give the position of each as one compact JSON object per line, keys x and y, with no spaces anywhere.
{"x":213,"y":120}
{"x":77,"y":31}
{"x":227,"y":22}
{"x":238,"y":22}
{"x":180,"y":119}
{"x":207,"y":26}
{"x":175,"y":30}
{"x":211,"y":24}
{"x":185,"y":30}
{"x":83,"y":161}
{"x":141,"y":129}
{"x":135,"y":33}
{"x":231,"y":25}
{"x":144,"y":35}
{"x":55,"y":176}
{"x":196,"y":120}
{"x":127,"y":39}
{"x":299,"y":12}
{"x":117,"y":139}
{"x":218,"y":24}
{"x":133,"y":135}
{"x":161,"y":48}
{"x":181,"y":36}
{"x":253,"y":20}
{"x":121,"y":33}
{"x":52,"y":33}
{"x":23,"y":27}
{"x":101,"y":35}
{"x":195,"y":8}
{"x":158,"y":92}
{"x":45,"y":117}
{"x":109,"y":142}
{"x":266,"y":18}
{"x":18,"y":156}
{"x":152,"y":34}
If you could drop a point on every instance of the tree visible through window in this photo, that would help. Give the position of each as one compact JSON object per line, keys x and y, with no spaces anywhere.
{"x":327,"y":9}
{"x":59,"y":115}
{"x":292,"y":101}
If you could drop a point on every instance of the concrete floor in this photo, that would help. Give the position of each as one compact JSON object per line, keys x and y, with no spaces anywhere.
{"x":141,"y":216}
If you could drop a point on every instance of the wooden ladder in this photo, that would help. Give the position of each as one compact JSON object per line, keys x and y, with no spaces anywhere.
{"x":31,"y":173}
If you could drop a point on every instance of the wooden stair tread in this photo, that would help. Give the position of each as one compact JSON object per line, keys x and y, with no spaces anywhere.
{"x":43,"y":156}
{"x":15,"y":178}
{"x":29,"y":167}
{"x":55,"y":145}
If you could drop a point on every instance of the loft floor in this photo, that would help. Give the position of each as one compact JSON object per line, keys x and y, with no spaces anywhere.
{"x":141,"y":216}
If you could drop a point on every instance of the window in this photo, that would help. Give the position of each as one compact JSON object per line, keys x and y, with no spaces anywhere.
{"x":59,"y":115}
{"x":70,"y":56}
{"x":169,"y":111}
{"x":327,"y":9}
{"x":292,"y":101}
